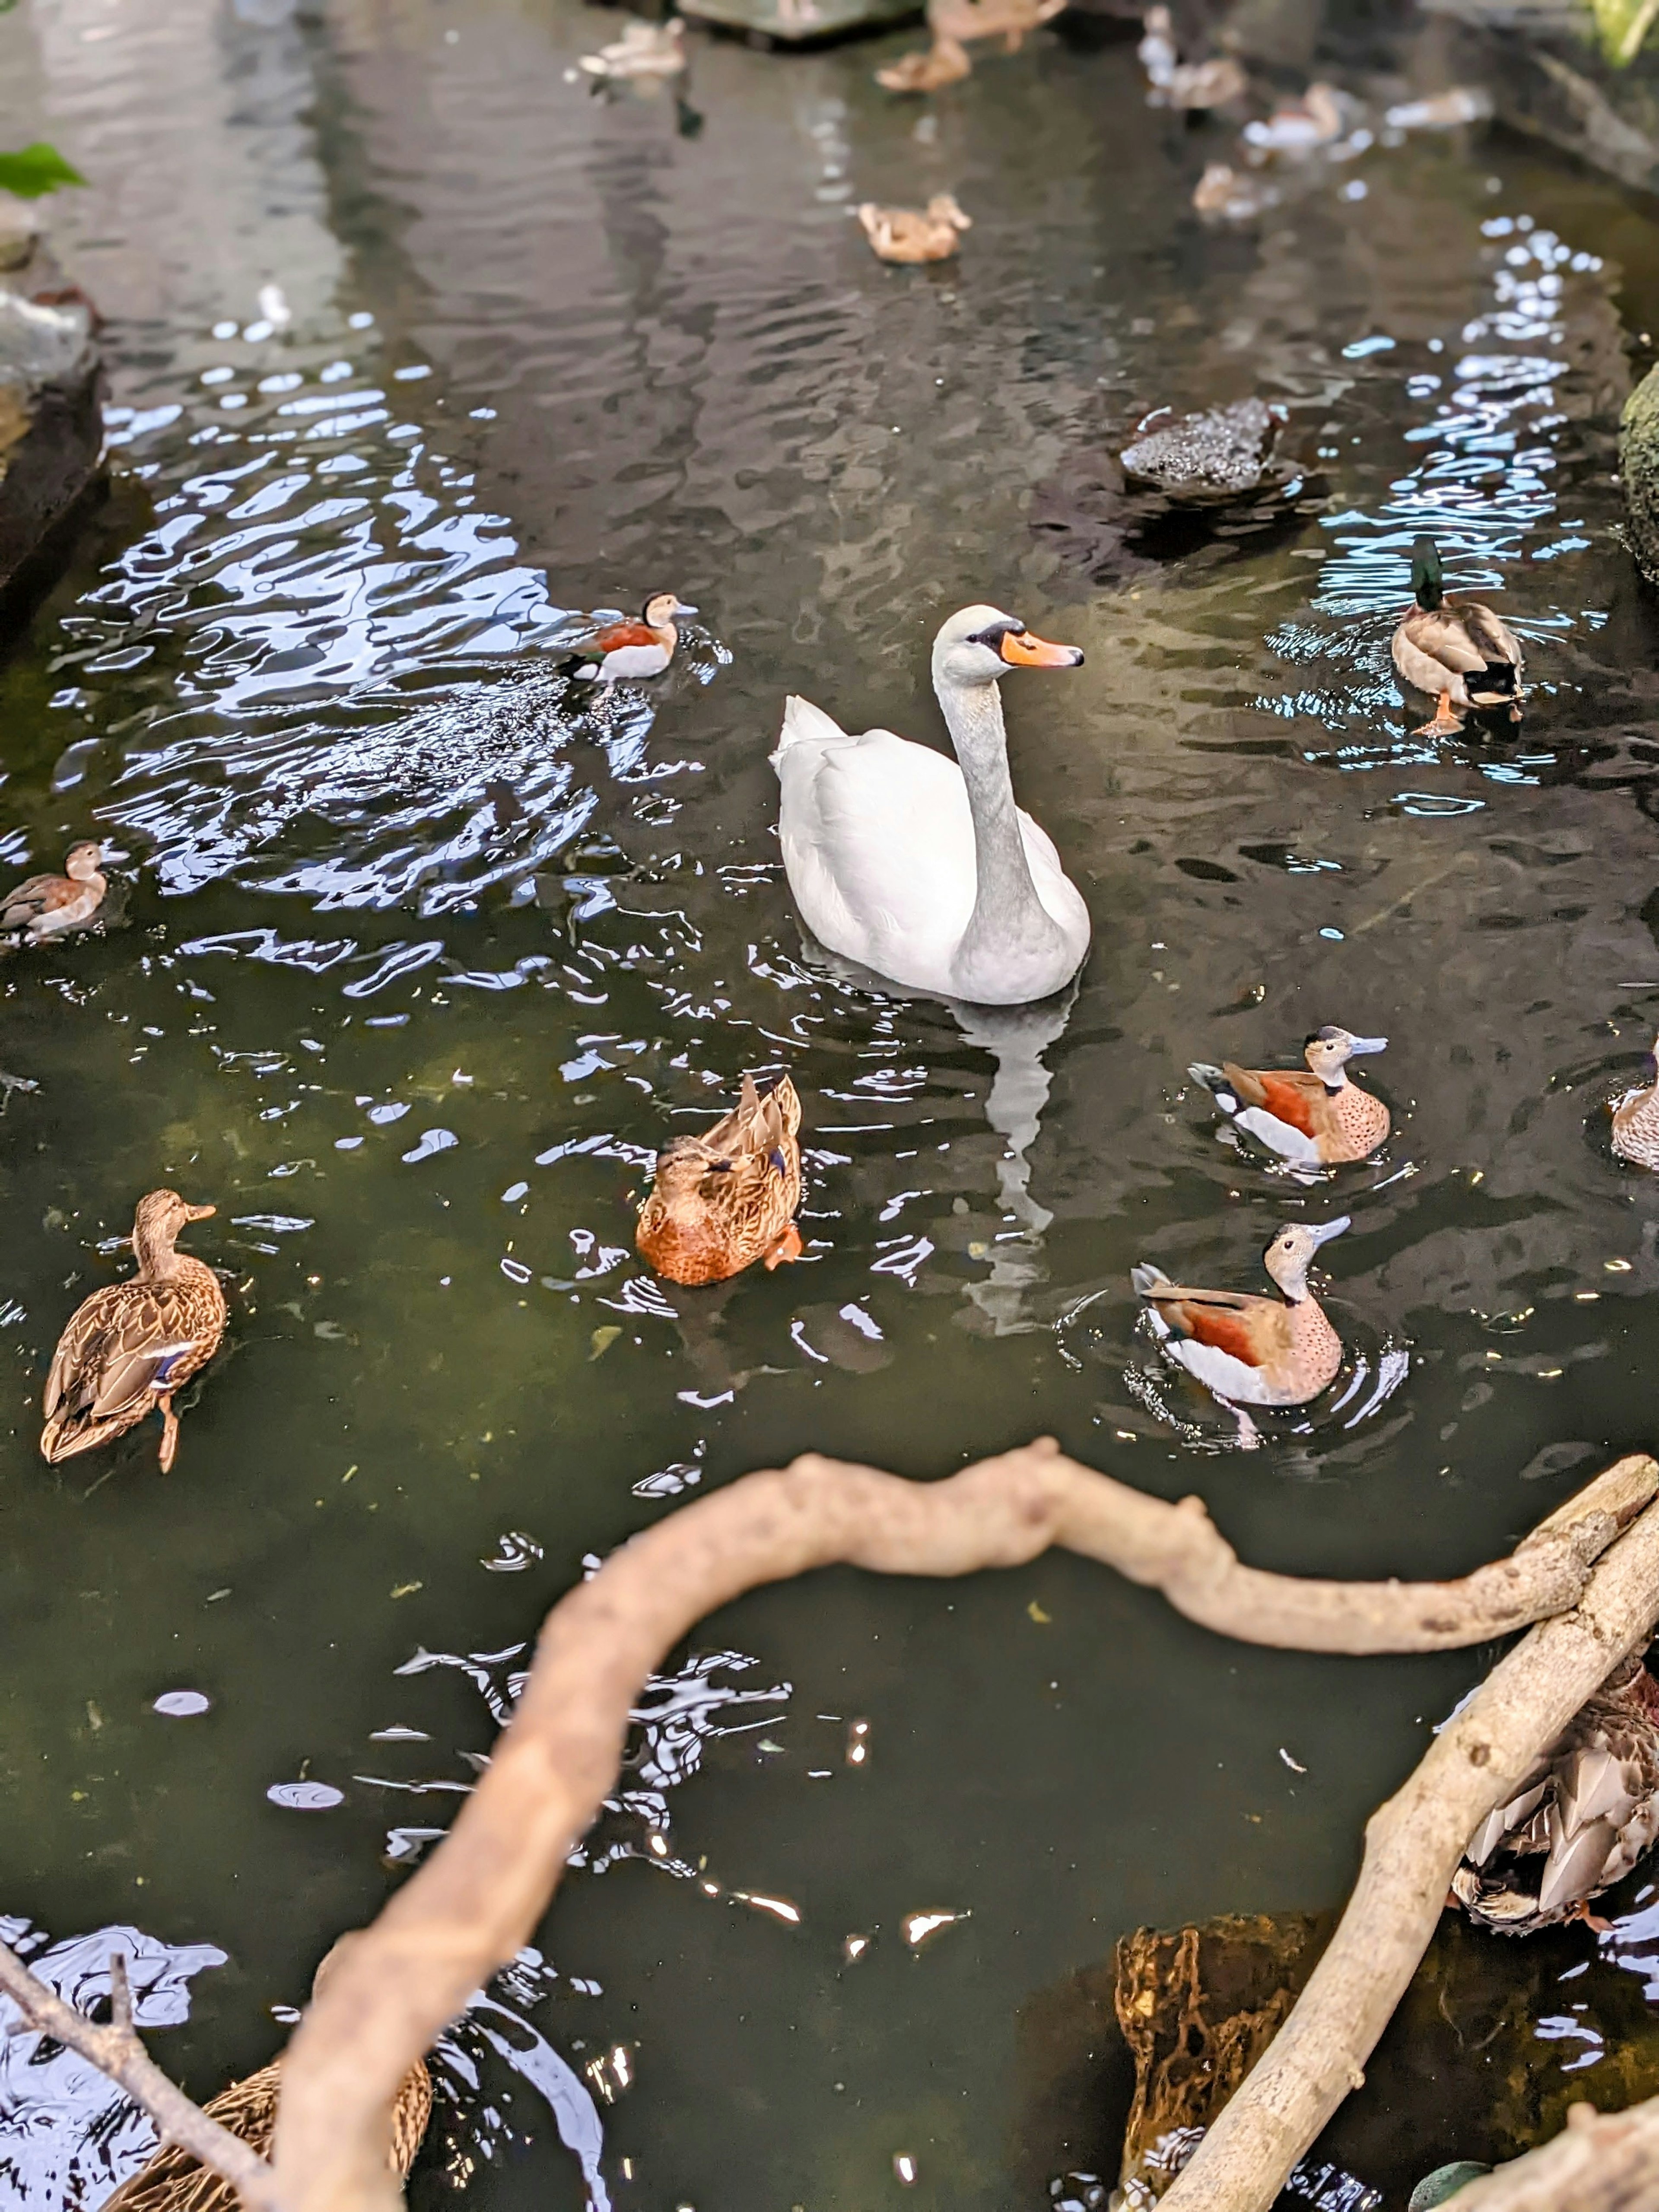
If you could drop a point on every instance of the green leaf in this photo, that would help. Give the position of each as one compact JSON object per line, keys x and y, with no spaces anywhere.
{"x":37,"y":169}
{"x":1624,"y":25}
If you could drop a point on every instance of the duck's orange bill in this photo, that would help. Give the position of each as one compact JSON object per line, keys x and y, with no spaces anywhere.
{"x":1022,"y":648}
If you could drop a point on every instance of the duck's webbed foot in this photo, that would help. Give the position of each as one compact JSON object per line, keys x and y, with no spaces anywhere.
{"x":1446,"y":724}
{"x":1594,"y":1921}
{"x":788,"y":1247}
{"x":1249,"y":1437}
{"x":169,"y":1435}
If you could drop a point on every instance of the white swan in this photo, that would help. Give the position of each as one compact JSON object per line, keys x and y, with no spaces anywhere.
{"x":926,"y":871}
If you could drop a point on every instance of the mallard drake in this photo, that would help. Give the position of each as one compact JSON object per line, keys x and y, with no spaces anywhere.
{"x":1635,"y":1123}
{"x":651,"y":50}
{"x":175,"y":2182}
{"x":922,"y":868}
{"x":906,"y":235}
{"x":130,"y":1346}
{"x":1578,"y":1822}
{"x":1312,"y":1115}
{"x":945,"y":62}
{"x":1247,"y":1349}
{"x":1458,"y":651}
{"x":636,"y":648}
{"x":45,"y":906}
{"x":723,"y":1201}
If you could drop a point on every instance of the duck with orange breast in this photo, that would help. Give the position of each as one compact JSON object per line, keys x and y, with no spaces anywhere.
{"x":924,"y":869}
{"x":1245,"y":1349}
{"x":1311,"y":1116}
{"x":46,"y":905}
{"x":632,"y":649}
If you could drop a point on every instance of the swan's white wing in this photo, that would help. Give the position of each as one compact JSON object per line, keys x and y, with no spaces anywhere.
{"x":878,"y":845}
{"x":1058,"y":893}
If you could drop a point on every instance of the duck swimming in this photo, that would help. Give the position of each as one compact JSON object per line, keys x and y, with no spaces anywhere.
{"x":1247,"y":1349}
{"x":1458,"y":651}
{"x":173,"y":2181}
{"x":130,"y":1346}
{"x":632,"y":649}
{"x":928,"y":68}
{"x":922,"y":868}
{"x":45,"y":906}
{"x":723,"y":1201}
{"x":911,"y":235}
{"x":1578,"y":1822}
{"x":1313,"y":1115}
{"x":1636,"y":1124}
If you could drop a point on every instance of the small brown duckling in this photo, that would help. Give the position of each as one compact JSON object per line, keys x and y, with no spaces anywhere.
{"x":904,"y":234}
{"x":45,"y":906}
{"x":945,"y":62}
{"x":723,"y":1201}
{"x":130,"y":1346}
{"x":175,"y":2182}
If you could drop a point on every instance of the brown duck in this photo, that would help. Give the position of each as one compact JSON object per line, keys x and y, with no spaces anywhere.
{"x":1310,"y":1116}
{"x":1636,"y":1124}
{"x":1466,"y":658}
{"x":130,"y":1346}
{"x":929,"y":234}
{"x":724,"y":1201}
{"x":1578,"y":1822}
{"x":1247,"y":1350}
{"x":173,"y":2182}
{"x":45,"y":906}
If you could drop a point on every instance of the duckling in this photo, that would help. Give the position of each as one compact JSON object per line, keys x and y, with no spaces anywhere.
{"x":648,"y":50}
{"x":1313,"y":1116}
{"x":1635,"y":1123}
{"x":945,"y":62}
{"x":1298,"y":129}
{"x":726,"y":1200}
{"x":635,"y":649}
{"x":1456,"y":650}
{"x":1245,"y":1349}
{"x":130,"y":1346}
{"x":173,"y":2181}
{"x":902,"y":234}
{"x":1578,"y":1822}
{"x":46,"y":905}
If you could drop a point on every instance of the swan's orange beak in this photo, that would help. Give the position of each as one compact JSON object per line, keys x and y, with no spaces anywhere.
{"x":1021,"y":649}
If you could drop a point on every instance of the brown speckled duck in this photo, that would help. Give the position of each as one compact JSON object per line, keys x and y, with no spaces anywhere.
{"x":130,"y":1346}
{"x":909,"y":234}
{"x":1247,"y":1349}
{"x":1310,"y":1116}
{"x":46,"y":905}
{"x":1463,"y":655}
{"x":724,"y":1201}
{"x":175,"y":2182}
{"x":1578,"y":1822}
{"x":1635,"y":1123}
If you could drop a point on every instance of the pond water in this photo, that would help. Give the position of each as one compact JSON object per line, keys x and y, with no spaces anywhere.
{"x":418,"y":350}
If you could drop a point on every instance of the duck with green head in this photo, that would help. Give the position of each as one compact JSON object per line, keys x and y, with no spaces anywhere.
{"x":1463,"y":655}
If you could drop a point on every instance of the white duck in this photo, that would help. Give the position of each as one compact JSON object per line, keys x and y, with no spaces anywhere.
{"x":925,"y":871}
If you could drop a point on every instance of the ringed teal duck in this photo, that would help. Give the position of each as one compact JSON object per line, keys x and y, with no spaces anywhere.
{"x":1458,"y":651}
{"x":175,"y":2182}
{"x":1310,"y":1116}
{"x":1245,"y":1349}
{"x":130,"y":1346}
{"x":636,"y":647}
{"x":723,"y":1201}
{"x":1578,"y":1822}
{"x":1635,"y":1123}
{"x":45,"y":906}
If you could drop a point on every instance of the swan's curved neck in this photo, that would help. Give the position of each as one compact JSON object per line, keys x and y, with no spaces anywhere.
{"x":1008,"y":917}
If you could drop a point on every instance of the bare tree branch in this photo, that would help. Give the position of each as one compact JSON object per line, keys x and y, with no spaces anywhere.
{"x":1413,"y":1843}
{"x":117,"y":2051}
{"x":1599,"y":2164}
{"x":480,"y":1895}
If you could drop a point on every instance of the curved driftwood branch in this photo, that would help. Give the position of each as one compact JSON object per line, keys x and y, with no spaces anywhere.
{"x":1602,"y":2163}
{"x":480,"y":1895}
{"x":1413,"y":1843}
{"x":116,"y":2051}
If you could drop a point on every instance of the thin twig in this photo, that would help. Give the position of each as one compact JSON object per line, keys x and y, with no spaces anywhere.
{"x":117,"y":2051}
{"x":482,"y":1893}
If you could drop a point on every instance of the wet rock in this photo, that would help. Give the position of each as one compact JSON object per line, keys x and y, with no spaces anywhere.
{"x":1639,"y":473}
{"x":1219,"y":454}
{"x":51,"y":404}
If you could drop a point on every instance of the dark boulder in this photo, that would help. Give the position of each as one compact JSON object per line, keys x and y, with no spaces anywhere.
{"x":51,"y":432}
